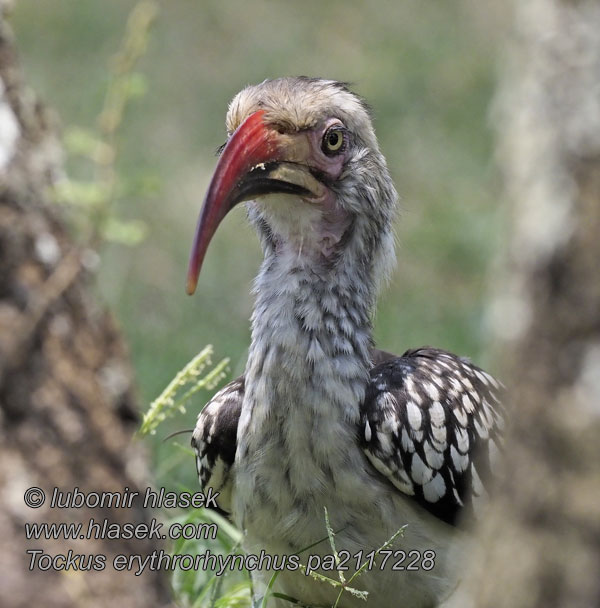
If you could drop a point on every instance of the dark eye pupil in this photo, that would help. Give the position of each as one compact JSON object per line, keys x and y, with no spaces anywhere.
{"x":333,"y":142}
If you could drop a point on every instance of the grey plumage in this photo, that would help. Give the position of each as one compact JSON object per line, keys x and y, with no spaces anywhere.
{"x":320,"y":418}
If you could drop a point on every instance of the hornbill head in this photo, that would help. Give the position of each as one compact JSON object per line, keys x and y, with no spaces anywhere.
{"x":304,"y":152}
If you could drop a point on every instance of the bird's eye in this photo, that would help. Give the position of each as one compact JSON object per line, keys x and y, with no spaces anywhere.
{"x":333,"y":141}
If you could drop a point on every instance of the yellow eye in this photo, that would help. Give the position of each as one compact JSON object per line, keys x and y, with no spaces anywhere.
{"x":333,"y":141}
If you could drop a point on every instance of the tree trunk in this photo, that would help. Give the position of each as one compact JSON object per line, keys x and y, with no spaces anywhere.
{"x":541,"y":543}
{"x":67,"y":409}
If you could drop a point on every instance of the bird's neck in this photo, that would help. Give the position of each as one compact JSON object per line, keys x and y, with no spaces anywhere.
{"x":306,"y":376}
{"x":307,"y":371}
{"x":309,"y":358}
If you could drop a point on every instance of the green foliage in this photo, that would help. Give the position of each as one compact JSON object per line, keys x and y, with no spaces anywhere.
{"x":93,"y":198}
{"x":345,"y":586}
{"x":201,"y":588}
{"x":186,"y":383}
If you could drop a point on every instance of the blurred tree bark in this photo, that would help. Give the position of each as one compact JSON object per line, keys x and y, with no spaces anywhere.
{"x":67,"y":409}
{"x":541,"y":543}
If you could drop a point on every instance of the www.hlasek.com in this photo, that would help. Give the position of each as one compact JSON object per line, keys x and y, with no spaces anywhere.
{"x":158,"y":559}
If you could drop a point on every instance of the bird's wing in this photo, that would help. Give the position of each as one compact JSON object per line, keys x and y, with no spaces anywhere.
{"x":214,"y":441}
{"x":432,"y":424}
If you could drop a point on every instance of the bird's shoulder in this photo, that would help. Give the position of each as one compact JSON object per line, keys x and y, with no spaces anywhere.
{"x":431,"y":423}
{"x":214,"y":440}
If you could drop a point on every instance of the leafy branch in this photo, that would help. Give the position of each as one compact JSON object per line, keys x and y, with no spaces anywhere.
{"x":94,"y":198}
{"x":186,"y":383}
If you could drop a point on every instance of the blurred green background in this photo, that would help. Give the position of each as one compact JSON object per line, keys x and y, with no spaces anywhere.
{"x":427,"y":69}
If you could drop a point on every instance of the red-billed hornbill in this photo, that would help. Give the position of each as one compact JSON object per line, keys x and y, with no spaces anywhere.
{"x":321,"y":418}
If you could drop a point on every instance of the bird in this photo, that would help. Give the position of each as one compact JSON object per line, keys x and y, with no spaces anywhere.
{"x":326,"y":439}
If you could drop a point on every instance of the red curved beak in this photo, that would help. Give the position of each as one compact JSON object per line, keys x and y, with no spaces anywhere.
{"x":256,"y":161}
{"x":251,"y":144}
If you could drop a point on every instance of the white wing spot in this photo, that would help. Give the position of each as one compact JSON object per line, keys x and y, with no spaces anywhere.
{"x":475,"y":396}
{"x":457,"y":387}
{"x":432,"y":391}
{"x":384,"y":441}
{"x":462,"y":440}
{"x":417,"y":436}
{"x":438,"y":381}
{"x":486,"y":413}
{"x":481,"y":377}
{"x":407,"y":444}
{"x":435,"y":489}
{"x":491,"y":380}
{"x":367,"y":431}
{"x":481,"y":429}
{"x":378,"y":464}
{"x":460,"y":461}
{"x":468,"y":383}
{"x":437,"y":414}
{"x":439,"y":446}
{"x":409,"y":385}
{"x":434,"y":458}
{"x":460,"y":415}
{"x":467,"y":404}
{"x":419,"y":471}
{"x":439,"y":433}
{"x":414,"y":416}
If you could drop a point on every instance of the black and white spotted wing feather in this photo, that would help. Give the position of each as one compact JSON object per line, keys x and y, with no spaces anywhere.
{"x":214,"y":441}
{"x":432,"y":426}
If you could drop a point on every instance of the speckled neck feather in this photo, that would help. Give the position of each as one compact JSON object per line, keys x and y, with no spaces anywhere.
{"x":307,"y":371}
{"x":310,"y":340}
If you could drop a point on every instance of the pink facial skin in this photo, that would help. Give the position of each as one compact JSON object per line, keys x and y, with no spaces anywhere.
{"x":330,"y":165}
